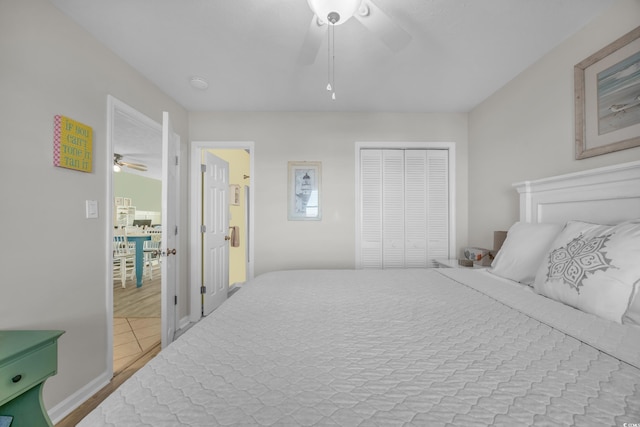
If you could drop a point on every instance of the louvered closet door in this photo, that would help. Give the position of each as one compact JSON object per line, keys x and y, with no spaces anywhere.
{"x":437,"y":205}
{"x":404,"y":199}
{"x":415,"y":207}
{"x":393,"y":236}
{"x":371,"y":209}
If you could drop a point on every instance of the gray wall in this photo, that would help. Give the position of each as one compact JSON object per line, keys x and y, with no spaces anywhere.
{"x":54,"y":261}
{"x":329,"y":138}
{"x":526,"y":130}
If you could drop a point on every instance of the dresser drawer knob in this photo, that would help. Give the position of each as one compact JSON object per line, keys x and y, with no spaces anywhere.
{"x":16,"y":379}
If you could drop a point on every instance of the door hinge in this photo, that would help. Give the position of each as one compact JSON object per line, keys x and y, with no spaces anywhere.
{"x":203,"y":228}
{"x":203,"y":290}
{"x":203,"y":168}
{"x":176,"y":232}
{"x":175,"y":300}
{"x":177,"y":161}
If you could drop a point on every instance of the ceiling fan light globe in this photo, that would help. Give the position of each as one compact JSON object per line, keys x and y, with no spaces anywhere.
{"x":345,"y":8}
{"x":364,"y":10}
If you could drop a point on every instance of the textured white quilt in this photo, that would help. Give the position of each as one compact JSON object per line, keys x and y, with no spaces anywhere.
{"x":378,"y":348}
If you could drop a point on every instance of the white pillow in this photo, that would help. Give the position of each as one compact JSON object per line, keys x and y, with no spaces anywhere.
{"x":632,"y":316}
{"x":523,"y":250}
{"x":593,"y":268}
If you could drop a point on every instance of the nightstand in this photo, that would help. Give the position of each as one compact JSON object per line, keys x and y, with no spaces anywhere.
{"x":453,"y":263}
{"x":27,"y":359}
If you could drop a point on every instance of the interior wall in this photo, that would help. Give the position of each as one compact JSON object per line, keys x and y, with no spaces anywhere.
{"x":145,"y":193}
{"x":526,"y":130}
{"x":51,"y":66}
{"x":239,"y":167}
{"x":329,"y":138}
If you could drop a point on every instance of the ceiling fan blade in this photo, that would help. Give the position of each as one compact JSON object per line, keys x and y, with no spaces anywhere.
{"x":312,"y":41}
{"x":379,"y":23}
{"x":136,"y":166}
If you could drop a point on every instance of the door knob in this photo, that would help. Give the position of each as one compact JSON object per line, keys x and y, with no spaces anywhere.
{"x":227,"y":238}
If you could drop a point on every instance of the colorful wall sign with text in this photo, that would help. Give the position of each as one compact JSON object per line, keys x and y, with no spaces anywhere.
{"x":72,"y":144}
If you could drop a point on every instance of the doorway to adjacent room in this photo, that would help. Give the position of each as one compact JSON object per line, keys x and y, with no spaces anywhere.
{"x":238,"y":222}
{"x":138,"y":277}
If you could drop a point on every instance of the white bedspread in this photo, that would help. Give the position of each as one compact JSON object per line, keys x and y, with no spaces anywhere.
{"x":372,"y":348}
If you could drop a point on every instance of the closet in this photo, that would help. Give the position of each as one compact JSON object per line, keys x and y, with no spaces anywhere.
{"x":404,"y":207}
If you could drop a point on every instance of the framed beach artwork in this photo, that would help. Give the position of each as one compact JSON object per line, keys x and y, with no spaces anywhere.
{"x":607,"y":98}
{"x":304,"y":191}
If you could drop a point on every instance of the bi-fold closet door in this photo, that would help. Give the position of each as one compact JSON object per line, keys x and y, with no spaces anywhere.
{"x":404,"y":200}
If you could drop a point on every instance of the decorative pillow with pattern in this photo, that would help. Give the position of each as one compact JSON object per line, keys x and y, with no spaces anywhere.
{"x":593,"y":268}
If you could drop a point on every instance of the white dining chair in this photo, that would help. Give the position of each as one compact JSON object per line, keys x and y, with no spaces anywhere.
{"x":124,"y":258}
{"x":151,"y":256}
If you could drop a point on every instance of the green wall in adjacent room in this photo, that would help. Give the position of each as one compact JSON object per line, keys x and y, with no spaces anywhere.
{"x":145,"y":193}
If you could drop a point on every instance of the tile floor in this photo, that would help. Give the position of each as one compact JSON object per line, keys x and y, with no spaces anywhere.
{"x":131,"y":337}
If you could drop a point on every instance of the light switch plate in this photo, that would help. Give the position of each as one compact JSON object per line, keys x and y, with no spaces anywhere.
{"x":92,"y":209}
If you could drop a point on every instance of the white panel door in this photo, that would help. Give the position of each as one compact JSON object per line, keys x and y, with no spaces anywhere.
{"x":371,"y":209}
{"x":393,"y":209}
{"x":170,"y":255}
{"x":215,"y":238}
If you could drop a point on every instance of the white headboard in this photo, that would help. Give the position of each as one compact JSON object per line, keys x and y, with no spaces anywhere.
{"x":606,"y":195}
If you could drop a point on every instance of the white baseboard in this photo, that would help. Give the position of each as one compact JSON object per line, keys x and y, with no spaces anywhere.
{"x":182,"y":323}
{"x":64,"y":408}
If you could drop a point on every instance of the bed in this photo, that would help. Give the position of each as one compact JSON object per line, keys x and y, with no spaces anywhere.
{"x":423,"y":347}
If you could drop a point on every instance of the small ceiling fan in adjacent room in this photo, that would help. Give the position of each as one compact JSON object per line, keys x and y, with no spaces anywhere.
{"x":118,"y":164}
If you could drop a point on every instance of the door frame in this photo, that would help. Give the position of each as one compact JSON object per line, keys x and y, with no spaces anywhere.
{"x":399,"y":145}
{"x":195,"y":216}
{"x":115,"y":105}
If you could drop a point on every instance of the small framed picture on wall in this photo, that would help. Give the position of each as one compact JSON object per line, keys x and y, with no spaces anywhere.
{"x":304,"y":191}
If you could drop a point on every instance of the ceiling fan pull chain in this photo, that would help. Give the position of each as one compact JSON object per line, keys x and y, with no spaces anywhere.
{"x":329,"y":88}
{"x":333,"y":61}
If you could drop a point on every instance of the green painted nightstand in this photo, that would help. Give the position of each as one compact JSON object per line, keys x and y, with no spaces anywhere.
{"x":27,"y":359}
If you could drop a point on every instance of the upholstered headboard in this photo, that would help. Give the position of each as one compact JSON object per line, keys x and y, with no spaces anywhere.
{"x":607,"y":195}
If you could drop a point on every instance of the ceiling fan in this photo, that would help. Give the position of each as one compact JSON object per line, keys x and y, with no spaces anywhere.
{"x":337,"y":12}
{"x":119,"y":163}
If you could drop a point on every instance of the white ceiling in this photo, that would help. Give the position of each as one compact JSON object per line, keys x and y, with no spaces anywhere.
{"x":138,"y":142}
{"x":461,"y":51}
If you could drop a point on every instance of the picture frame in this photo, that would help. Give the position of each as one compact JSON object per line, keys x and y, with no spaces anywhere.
{"x":607,"y":98}
{"x":304,"y":191}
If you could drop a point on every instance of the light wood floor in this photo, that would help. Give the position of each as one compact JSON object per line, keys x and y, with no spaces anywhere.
{"x":137,"y":302}
{"x":136,"y":318}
